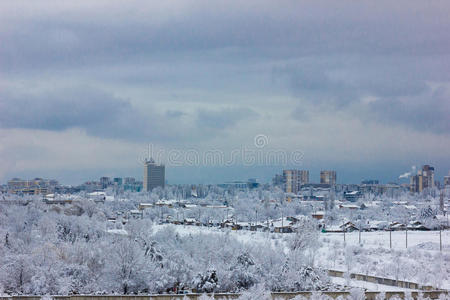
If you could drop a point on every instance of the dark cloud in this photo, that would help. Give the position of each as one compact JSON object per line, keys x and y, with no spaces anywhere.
{"x":426,"y":112}
{"x":141,"y":33}
{"x":102,"y":114}
{"x":397,"y":90}
{"x":99,"y":113}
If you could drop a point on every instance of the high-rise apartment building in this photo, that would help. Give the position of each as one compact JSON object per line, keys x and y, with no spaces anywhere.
{"x":328,"y":177}
{"x":294,"y":179}
{"x":154,"y":175}
{"x":105,"y":182}
{"x":424,"y":179}
{"x":118,"y":181}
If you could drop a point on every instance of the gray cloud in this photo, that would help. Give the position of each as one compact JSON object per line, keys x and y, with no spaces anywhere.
{"x":98,"y":112}
{"x":91,"y":35}
{"x":403,"y":95}
{"x":224,"y":118}
{"x":190,"y":70}
{"x":173,"y":113}
{"x":426,"y":112}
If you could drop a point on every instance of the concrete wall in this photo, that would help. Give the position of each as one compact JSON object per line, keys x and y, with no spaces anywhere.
{"x":283,"y":296}
{"x":381,"y":280}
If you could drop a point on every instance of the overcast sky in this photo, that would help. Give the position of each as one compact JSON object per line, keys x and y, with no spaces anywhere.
{"x":361,"y":87}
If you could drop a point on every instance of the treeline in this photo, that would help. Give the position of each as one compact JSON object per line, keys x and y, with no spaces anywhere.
{"x":45,"y":251}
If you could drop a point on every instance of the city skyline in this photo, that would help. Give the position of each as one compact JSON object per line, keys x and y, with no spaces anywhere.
{"x":317,"y":177}
{"x":360,"y":88}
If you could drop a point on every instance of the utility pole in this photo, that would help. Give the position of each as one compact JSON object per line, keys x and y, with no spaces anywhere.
{"x":406,"y":237}
{"x":343,"y":229}
{"x":390,"y":238}
{"x":440,"y":238}
{"x":360,"y":234}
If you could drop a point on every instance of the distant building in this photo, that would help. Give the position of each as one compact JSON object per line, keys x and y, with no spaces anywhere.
{"x":278,"y":180}
{"x":105,"y":182}
{"x":131,"y":184}
{"x":370,"y":181}
{"x":241,"y":185}
{"x":154,"y":175}
{"x":352,"y":196}
{"x":447,"y":180}
{"x":130,"y":180}
{"x":252,"y":183}
{"x":328,"y":177}
{"x":117,"y":181}
{"x":91,"y":186}
{"x":31,"y":187}
{"x":424,"y":179}
{"x":294,"y":179}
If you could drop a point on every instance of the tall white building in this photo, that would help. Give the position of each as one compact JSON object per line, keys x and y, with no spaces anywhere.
{"x":154,"y":175}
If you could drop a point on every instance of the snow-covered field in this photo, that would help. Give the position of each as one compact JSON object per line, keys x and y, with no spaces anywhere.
{"x":421,"y":262}
{"x":425,"y":240}
{"x":373,"y":287}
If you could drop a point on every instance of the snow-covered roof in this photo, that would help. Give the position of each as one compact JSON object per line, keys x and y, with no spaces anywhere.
{"x":352,"y":193}
{"x":378,"y":224}
{"x":319,"y":213}
{"x":400,"y":202}
{"x":190,"y":220}
{"x":216,"y":206}
{"x":166,"y":202}
{"x":410,"y":206}
{"x":244,"y":224}
{"x":97,"y":194}
{"x":282,"y":223}
{"x":117,"y":231}
{"x":370,"y":204}
{"x":351,"y":206}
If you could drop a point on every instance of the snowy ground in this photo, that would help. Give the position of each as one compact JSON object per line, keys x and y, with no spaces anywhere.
{"x":421,"y":262}
{"x":373,"y":287}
